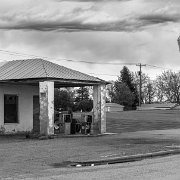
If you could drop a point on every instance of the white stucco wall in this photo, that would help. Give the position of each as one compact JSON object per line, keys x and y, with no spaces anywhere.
{"x":25,"y":107}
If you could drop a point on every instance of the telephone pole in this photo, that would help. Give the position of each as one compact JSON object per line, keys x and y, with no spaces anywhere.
{"x":140,"y":81}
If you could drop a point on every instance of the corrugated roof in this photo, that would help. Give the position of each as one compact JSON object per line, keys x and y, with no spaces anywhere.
{"x":39,"y":68}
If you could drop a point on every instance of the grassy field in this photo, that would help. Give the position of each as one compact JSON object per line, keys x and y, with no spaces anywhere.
{"x":20,"y":157}
{"x":130,"y":121}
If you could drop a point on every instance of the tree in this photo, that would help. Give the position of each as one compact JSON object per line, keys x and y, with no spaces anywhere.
{"x":82,"y":100}
{"x":126,"y":77}
{"x":85,"y":105}
{"x":82,"y":93}
{"x":145,"y":79}
{"x":124,"y":90}
{"x":123,"y":95}
{"x":169,"y":85}
{"x":149,"y":92}
{"x":159,"y":92}
{"x":63,"y":99}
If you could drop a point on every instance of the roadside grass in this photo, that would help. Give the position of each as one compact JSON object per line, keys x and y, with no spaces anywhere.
{"x":31,"y":156}
{"x":130,"y":121}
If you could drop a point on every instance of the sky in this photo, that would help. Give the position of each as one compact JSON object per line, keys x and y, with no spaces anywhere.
{"x":96,"y":37}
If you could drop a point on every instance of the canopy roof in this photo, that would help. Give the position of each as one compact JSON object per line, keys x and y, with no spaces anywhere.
{"x":31,"y":71}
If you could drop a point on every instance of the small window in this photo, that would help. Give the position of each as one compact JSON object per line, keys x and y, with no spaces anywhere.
{"x":10,"y":109}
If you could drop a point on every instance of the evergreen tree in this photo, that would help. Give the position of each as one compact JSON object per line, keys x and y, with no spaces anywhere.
{"x":127,"y":78}
{"x":82,"y":93}
{"x":82,"y":100}
{"x":123,"y":95}
{"x":63,"y":99}
{"x":124,"y":90}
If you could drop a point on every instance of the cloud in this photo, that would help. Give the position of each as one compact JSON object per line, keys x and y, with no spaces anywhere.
{"x":76,"y":16}
{"x":130,"y":24}
{"x":154,"y":46}
{"x":90,"y":0}
{"x":129,"y":31}
{"x":152,"y":19}
{"x":83,"y":18}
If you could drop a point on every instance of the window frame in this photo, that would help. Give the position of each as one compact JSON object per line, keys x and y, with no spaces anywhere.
{"x":17,"y":110}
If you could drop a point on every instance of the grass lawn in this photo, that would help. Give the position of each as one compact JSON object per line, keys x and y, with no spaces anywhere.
{"x":130,"y":121}
{"x":20,"y":156}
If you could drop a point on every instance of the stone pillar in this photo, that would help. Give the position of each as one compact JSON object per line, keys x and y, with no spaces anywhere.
{"x":103,"y":109}
{"x":46,"y":98}
{"x":99,"y":101}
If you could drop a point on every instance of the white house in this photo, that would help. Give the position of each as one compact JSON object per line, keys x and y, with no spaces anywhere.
{"x":27,"y":95}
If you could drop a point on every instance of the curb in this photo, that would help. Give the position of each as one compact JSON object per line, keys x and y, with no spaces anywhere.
{"x":125,"y":159}
{"x":84,"y":135}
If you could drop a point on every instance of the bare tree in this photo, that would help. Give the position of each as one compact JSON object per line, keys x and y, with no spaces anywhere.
{"x":149,"y":92}
{"x":159,"y":92}
{"x":168,"y":84}
{"x":145,"y":80}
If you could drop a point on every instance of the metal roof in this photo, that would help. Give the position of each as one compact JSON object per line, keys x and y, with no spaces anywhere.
{"x":41,"y":69}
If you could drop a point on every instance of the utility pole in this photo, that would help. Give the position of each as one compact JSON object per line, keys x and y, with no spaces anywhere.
{"x":178,"y":40}
{"x":140,"y":81}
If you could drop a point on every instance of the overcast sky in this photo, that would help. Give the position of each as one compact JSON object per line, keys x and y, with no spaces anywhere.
{"x":102,"y":31}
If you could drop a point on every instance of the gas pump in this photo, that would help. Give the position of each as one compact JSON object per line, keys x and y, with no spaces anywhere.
{"x":86,"y":123}
{"x":62,"y":122}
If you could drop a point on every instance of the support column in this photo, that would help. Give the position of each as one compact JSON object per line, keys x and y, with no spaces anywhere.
{"x":99,"y":102}
{"x":103,"y":108}
{"x":46,"y":98}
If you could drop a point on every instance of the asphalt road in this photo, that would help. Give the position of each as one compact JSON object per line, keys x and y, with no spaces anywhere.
{"x":166,"y":168}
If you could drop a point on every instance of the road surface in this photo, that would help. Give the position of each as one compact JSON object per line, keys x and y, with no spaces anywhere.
{"x":166,"y":168}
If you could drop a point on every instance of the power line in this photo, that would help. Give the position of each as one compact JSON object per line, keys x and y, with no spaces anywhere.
{"x":159,"y":67}
{"x":14,"y":53}
{"x":92,"y":62}
{"x":155,"y":66}
{"x":19,"y":54}
{"x":2,"y":59}
{"x":104,"y":74}
{"x":63,"y":59}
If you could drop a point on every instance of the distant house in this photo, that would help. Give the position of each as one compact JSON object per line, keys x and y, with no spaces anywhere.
{"x":114,"y":107}
{"x":27,"y":95}
{"x":162,"y":106}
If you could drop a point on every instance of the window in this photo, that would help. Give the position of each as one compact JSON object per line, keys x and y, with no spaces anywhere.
{"x":10,"y":109}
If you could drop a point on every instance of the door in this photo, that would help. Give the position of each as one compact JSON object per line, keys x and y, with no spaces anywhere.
{"x":36,"y":113}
